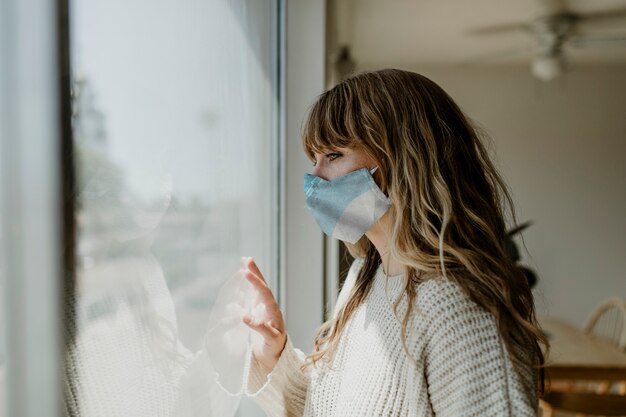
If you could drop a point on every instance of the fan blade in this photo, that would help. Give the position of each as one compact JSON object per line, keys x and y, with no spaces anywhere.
{"x":553,"y":6}
{"x":583,"y":41}
{"x":496,"y":56}
{"x":498,"y":29}
{"x":604,"y":17}
{"x":548,"y":8}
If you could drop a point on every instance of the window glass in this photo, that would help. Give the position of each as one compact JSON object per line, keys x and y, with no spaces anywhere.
{"x":174,"y":108}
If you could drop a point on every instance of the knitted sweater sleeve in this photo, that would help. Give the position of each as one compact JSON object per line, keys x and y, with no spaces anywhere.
{"x":467,"y":367}
{"x":282,"y":392}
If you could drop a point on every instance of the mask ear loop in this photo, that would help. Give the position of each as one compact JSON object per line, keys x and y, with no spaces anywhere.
{"x":372,"y":170}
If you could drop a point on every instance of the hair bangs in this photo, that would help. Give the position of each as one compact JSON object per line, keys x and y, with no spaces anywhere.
{"x":327,"y":126}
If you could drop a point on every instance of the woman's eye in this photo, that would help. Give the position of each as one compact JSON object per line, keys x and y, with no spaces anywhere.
{"x":330,"y":156}
{"x":333,"y":156}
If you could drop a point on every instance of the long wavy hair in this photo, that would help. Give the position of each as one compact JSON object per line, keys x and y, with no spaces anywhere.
{"x":448,"y":204}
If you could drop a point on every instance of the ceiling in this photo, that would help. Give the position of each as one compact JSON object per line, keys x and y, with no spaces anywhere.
{"x":438,"y":32}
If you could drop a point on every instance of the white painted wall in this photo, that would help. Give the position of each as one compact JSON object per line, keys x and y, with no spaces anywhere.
{"x":562,"y":149}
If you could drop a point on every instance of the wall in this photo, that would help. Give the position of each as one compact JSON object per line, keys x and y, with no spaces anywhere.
{"x":561,"y":148}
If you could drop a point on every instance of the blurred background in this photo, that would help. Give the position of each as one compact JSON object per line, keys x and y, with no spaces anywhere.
{"x":147,"y":146}
{"x":546,"y":80}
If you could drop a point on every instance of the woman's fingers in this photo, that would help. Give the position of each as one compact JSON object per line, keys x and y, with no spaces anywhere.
{"x":258,"y":283}
{"x":264,"y":328}
{"x":266,"y":294}
{"x":274,"y":324}
{"x":252,"y":266}
{"x":271,"y":326}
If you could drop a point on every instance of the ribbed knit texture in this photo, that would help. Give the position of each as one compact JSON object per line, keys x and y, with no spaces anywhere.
{"x":462,"y":369}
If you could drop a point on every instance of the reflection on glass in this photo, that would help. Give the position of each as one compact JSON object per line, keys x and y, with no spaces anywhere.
{"x":173,"y":107}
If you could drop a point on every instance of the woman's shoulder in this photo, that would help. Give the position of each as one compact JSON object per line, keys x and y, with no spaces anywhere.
{"x":440,"y":292}
{"x":443,"y":299}
{"x":466,"y":358}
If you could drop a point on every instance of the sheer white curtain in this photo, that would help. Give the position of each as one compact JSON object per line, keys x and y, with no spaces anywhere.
{"x":174,"y":107}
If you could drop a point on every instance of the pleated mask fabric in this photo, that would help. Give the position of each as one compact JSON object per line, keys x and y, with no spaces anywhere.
{"x":347,"y":206}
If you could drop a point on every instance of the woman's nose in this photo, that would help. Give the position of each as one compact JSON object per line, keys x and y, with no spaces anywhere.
{"x":318,"y":171}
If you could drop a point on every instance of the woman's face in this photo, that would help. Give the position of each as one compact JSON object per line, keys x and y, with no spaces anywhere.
{"x":340,"y":161}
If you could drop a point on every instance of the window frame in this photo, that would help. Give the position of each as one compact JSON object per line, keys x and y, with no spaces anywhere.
{"x":35,"y":80}
{"x":303,"y":260}
{"x":32,"y":146}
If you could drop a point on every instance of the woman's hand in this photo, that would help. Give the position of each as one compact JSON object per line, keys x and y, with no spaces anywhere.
{"x":273,"y":328}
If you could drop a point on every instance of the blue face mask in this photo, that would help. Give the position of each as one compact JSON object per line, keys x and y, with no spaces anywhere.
{"x":347,"y":206}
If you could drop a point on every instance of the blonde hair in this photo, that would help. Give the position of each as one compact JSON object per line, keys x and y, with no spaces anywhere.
{"x":448,"y":203}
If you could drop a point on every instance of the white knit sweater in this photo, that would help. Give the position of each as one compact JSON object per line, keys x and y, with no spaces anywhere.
{"x":463,"y":368}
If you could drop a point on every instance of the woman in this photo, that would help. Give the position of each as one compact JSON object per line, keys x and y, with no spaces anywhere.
{"x":434,"y":319}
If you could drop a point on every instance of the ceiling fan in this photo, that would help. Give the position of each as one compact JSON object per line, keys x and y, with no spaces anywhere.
{"x":560,"y":28}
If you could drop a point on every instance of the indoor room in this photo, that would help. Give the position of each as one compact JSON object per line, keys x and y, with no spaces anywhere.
{"x":312,"y":208}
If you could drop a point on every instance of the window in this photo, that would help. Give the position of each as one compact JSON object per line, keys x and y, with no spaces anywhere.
{"x":170,"y":113}
{"x":174,"y":118}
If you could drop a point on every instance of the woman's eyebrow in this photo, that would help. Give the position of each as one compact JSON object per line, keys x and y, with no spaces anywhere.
{"x":334,"y":150}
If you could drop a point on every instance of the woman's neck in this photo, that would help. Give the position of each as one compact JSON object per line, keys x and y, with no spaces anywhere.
{"x":379,"y":235}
